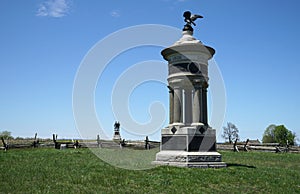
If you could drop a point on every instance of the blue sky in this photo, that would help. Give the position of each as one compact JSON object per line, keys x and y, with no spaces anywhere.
{"x":44,"y":41}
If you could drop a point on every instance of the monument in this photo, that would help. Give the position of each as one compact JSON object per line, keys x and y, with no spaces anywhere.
{"x":188,"y":141}
{"x":117,"y":136}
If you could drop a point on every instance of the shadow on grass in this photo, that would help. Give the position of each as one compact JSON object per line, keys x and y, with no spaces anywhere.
{"x":239,"y":165}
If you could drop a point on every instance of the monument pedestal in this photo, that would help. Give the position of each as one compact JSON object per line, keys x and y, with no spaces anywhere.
{"x":117,"y":137}
{"x":191,"y":146}
{"x":188,"y":141}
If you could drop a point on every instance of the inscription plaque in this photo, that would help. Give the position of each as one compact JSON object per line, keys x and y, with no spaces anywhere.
{"x":202,"y":143}
{"x":174,"y":143}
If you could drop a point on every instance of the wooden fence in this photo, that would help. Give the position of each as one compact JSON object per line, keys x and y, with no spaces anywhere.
{"x":143,"y":144}
{"x":264,"y":147}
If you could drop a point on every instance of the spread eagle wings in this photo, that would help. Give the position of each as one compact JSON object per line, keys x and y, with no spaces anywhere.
{"x":195,"y":16}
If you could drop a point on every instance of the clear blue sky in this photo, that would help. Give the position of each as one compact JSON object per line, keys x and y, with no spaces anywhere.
{"x":44,"y":41}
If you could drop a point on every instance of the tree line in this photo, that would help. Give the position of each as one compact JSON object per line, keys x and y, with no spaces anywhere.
{"x":272,"y":134}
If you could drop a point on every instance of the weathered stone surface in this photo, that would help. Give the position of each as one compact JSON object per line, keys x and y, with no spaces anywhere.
{"x":190,"y":159}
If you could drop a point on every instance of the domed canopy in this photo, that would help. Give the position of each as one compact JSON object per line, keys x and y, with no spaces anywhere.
{"x":188,"y":44}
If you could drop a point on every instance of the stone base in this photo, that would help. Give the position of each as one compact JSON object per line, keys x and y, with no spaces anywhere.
{"x":189,"y":146}
{"x":117,"y":138}
{"x":190,"y":159}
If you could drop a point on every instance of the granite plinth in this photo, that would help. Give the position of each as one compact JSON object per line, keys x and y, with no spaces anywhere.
{"x":117,"y":138}
{"x":190,"y":159}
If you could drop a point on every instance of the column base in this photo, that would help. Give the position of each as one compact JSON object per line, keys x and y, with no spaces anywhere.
{"x":197,"y":124}
{"x":176,"y":124}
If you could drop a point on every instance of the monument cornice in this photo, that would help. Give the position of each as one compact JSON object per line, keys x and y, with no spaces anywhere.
{"x":181,"y":49}
{"x":187,"y":76}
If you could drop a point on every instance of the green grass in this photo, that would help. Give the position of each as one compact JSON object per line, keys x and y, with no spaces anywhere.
{"x":81,"y":171}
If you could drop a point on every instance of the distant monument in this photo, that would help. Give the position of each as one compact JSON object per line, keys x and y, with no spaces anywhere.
{"x":117,"y":136}
{"x":188,"y":141}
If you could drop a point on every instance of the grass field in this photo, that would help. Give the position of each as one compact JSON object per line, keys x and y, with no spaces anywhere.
{"x":81,"y":171}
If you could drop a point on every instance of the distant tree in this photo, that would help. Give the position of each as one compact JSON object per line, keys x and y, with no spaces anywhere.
{"x":230,"y":132}
{"x":269,"y":136}
{"x":19,"y":138}
{"x":279,"y":134}
{"x":6,"y":135}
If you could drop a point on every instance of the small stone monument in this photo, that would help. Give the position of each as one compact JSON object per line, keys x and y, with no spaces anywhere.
{"x":188,"y":141}
{"x":117,"y":136}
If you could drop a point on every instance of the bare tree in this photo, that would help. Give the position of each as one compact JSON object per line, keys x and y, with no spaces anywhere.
{"x":230,"y":132}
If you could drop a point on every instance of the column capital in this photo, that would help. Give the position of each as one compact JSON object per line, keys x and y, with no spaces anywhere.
{"x":187,"y":84}
{"x":199,"y":83}
{"x":188,"y":89}
{"x":171,"y":90}
{"x":205,"y":85}
{"x":175,"y":83}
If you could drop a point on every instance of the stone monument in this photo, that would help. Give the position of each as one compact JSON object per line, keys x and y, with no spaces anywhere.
{"x":117,"y":136}
{"x":188,"y":141}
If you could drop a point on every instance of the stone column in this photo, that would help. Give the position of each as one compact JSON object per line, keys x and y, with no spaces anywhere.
{"x":177,"y":105}
{"x":204,"y":106}
{"x":188,"y":106}
{"x":197,"y":99}
{"x":171,"y":105}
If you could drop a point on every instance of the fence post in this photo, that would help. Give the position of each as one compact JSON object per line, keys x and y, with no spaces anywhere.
{"x":235,"y":148}
{"x":4,"y":144}
{"x":98,"y":141}
{"x":56,"y":144}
